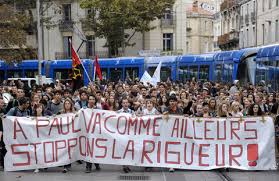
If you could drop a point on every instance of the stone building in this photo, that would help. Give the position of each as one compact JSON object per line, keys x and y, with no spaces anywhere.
{"x":200,"y":36}
{"x":230,"y":13}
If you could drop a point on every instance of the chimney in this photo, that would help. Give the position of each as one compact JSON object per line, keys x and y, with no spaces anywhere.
{"x":195,"y":6}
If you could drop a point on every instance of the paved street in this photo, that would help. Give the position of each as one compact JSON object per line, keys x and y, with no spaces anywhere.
{"x":113,"y":173}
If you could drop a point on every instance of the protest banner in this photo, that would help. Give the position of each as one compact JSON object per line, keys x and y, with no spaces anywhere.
{"x":108,"y":137}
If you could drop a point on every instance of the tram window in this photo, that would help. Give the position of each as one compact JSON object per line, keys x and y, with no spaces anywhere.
{"x":165,"y":73}
{"x":131,"y":73}
{"x":151,"y":70}
{"x":261,"y":72}
{"x":2,"y":76}
{"x":228,"y":71}
{"x":274,"y":75}
{"x":62,"y":74}
{"x":115,"y":74}
{"x":14,"y":73}
{"x":30,"y":73}
{"x":204,"y":72}
{"x":104,"y":73}
{"x":193,"y":70}
{"x":218,"y":73}
{"x":183,"y":73}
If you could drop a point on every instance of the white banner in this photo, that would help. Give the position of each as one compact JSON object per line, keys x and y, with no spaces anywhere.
{"x":110,"y":138}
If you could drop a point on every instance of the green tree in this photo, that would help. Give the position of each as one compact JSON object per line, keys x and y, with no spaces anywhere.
{"x":14,"y":26}
{"x":110,"y":18}
{"x":17,"y":21}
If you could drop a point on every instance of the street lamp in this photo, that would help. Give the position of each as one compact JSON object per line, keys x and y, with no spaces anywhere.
{"x":40,"y":47}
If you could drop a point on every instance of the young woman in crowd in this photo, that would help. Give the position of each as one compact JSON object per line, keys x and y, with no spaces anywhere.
{"x":212,"y":107}
{"x":223,"y":110}
{"x":38,"y":111}
{"x":255,"y":110}
{"x":235,"y":110}
{"x":68,"y":107}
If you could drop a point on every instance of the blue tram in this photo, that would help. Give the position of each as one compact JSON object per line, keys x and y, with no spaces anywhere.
{"x":62,"y":69}
{"x":267,"y":66}
{"x":197,"y":66}
{"x":122,"y":68}
{"x":26,"y":68}
{"x":168,"y":69}
{"x":247,"y":65}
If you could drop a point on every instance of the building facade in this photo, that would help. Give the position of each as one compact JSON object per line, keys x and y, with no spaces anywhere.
{"x":217,"y":23}
{"x":169,"y":36}
{"x":267,"y":22}
{"x":248,"y":27}
{"x":200,"y":36}
{"x":230,"y":13}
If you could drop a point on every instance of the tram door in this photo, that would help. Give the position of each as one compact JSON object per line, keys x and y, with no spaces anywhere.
{"x":62,"y":74}
{"x":115,"y":74}
{"x":165,"y":72}
{"x":131,"y":73}
{"x":14,"y":73}
{"x":31,"y":73}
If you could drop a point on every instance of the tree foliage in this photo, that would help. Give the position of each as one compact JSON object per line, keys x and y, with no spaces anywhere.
{"x":110,"y":18}
{"x":13,"y":31}
{"x":17,"y":21}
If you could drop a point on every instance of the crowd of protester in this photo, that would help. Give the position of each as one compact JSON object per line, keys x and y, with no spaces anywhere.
{"x":191,"y":98}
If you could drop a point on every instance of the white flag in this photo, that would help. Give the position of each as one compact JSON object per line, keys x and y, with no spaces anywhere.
{"x":145,"y":78}
{"x":156,"y":76}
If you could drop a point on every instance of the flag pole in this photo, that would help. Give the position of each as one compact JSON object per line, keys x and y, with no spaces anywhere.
{"x":85,"y":71}
{"x":94,"y":76}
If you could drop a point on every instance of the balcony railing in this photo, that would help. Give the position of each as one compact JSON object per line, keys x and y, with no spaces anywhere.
{"x":167,"y":23}
{"x":253,"y":17}
{"x":229,"y":39}
{"x":66,"y":25}
{"x":223,"y":39}
{"x":172,"y":52}
{"x":246,"y":19}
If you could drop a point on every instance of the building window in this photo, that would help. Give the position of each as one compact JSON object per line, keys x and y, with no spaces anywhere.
{"x":247,"y":39}
{"x":263,"y":1}
{"x":167,"y":14}
{"x":187,"y":47}
{"x":206,"y":47}
{"x":67,"y":12}
{"x":167,"y":41}
{"x":270,"y":32}
{"x":67,"y":46}
{"x":254,"y":6}
{"x":277,"y":2}
{"x":241,"y":36}
{"x":276,"y":30}
{"x":269,"y":4}
{"x":90,"y":46}
{"x":254,"y":36}
{"x":263,"y":30}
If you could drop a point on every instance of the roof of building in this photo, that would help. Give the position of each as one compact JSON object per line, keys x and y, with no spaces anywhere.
{"x":192,"y":9}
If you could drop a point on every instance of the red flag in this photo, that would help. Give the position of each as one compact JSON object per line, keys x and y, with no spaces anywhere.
{"x":76,"y":69}
{"x":75,"y":58}
{"x":98,"y":68}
